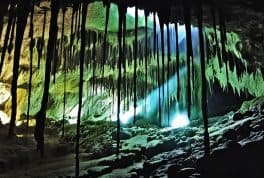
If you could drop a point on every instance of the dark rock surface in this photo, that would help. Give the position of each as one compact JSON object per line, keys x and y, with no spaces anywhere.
{"x":236,"y":152}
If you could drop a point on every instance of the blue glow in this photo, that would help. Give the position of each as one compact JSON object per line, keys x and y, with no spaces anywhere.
{"x":131,"y":11}
{"x":126,"y":117}
{"x":180,"y":120}
{"x":148,"y":107}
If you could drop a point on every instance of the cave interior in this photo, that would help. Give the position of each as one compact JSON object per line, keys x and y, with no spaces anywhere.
{"x":129,"y":88}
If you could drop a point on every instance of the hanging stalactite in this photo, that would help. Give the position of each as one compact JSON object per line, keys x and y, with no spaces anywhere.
{"x":154,"y":34}
{"x":135,"y":61}
{"x":187,"y":20}
{"x":162,"y":59}
{"x":11,"y":18}
{"x":55,"y":59}
{"x":82,"y":54}
{"x":177,"y":60}
{"x":72,"y":33}
{"x":3,"y":11}
{"x":79,"y":22}
{"x":124,"y":60}
{"x":41,"y":115}
{"x":11,"y":38}
{"x":76,"y":12}
{"x":62,"y":55}
{"x":158,"y":77}
{"x":41,"y":42}
{"x":168,"y":70}
{"x":215,"y":36}
{"x":22,"y":15}
{"x":204,"y":82}
{"x":107,"y":7}
{"x":146,"y":56}
{"x":32,"y":44}
{"x":93,"y":64}
{"x":122,"y":13}
{"x":223,"y":39}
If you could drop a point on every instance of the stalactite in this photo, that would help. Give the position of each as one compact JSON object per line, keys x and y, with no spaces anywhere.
{"x":135,"y":61}
{"x":216,"y":37}
{"x":11,"y":16}
{"x":55,"y":59}
{"x":3,"y":10}
{"x":93,"y":65}
{"x":62,"y":55}
{"x":177,"y":60}
{"x":128,"y":84}
{"x":42,"y":40}
{"x":76,"y":11}
{"x":41,"y":115}
{"x":124,"y":60}
{"x":32,"y":44}
{"x":11,"y":38}
{"x":168,"y":68}
{"x":42,"y":45}
{"x":189,"y":53}
{"x":223,"y":39}
{"x":146,"y":55}
{"x":105,"y":36}
{"x":122,"y":13}
{"x":162,"y":59}
{"x":22,"y":11}
{"x":79,"y":22}
{"x":155,"y":32}
{"x":204,"y":82}
{"x":72,"y":34}
{"x":158,"y":76}
{"x":82,"y":54}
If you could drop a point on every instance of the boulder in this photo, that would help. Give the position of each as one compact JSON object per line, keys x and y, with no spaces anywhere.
{"x":124,"y":135}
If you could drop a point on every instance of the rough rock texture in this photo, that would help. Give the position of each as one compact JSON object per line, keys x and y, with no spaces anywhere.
{"x":236,"y":152}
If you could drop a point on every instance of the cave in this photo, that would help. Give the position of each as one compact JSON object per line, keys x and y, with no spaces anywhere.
{"x":131,"y":88}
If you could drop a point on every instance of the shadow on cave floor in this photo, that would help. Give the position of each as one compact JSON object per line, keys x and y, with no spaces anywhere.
{"x":236,"y":140}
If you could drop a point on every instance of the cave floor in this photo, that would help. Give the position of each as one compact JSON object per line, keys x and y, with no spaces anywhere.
{"x":145,"y":152}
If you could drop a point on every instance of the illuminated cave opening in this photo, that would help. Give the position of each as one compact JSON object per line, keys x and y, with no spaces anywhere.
{"x":131,"y":89}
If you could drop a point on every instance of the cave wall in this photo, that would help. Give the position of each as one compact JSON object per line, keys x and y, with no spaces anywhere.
{"x":243,"y":44}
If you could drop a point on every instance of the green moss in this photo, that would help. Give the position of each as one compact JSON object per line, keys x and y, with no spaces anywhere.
{"x":251,"y":82}
{"x":97,"y":14}
{"x":247,"y":104}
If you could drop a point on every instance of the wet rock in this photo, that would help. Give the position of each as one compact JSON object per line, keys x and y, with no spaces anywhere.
{"x":232,"y":145}
{"x":150,"y":166}
{"x":122,"y":161}
{"x":124,"y":135}
{"x":98,"y":171}
{"x":190,"y":132}
{"x":244,"y":129}
{"x":256,"y":128}
{"x":85,"y":156}
{"x":230,"y":134}
{"x":183,"y":143}
{"x":239,"y":116}
{"x":158,"y":146}
{"x":173,"y":170}
{"x":185,"y":172}
{"x":133,"y":175}
{"x":151,"y":137}
{"x":190,"y":161}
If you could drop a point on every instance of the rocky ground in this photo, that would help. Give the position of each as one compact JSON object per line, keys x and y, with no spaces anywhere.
{"x":237,"y":143}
